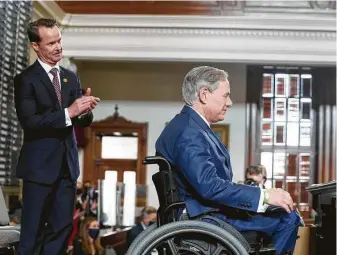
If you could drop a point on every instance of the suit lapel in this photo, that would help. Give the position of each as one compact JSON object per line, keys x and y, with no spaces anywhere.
{"x":65,"y":88}
{"x":216,"y":140}
{"x":203,"y":125}
{"x":44,"y":78}
{"x":222,"y":148}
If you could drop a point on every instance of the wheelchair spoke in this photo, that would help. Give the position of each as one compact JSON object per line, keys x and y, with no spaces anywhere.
{"x":220,"y":250}
{"x":196,"y":245}
{"x":173,"y":247}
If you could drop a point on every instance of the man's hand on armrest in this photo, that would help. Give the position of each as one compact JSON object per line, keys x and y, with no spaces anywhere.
{"x":279,"y":197}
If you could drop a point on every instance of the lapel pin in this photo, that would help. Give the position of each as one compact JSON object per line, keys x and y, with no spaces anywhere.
{"x":65,"y":80}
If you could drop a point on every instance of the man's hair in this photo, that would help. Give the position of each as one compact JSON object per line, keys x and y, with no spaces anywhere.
{"x":147,"y":210}
{"x":253,"y":170}
{"x":33,"y":28}
{"x":201,"y":77}
{"x":263,"y":168}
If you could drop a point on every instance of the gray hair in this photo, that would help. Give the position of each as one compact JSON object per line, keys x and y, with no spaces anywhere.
{"x":201,"y":77}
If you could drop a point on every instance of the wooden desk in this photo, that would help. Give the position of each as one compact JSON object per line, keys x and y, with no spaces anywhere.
{"x":115,"y":239}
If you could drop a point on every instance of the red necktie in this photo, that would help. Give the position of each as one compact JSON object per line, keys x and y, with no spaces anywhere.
{"x":56,"y":84}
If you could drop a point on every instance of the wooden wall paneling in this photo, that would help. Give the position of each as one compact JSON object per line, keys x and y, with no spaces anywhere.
{"x":144,"y":7}
{"x":326,"y":137}
{"x":324,"y":105}
{"x":142,"y":147}
{"x":88,"y":163}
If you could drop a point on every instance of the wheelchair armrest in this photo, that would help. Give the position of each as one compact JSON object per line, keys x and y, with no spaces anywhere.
{"x":160,"y":161}
{"x":275,"y":209}
{"x":170,"y":210}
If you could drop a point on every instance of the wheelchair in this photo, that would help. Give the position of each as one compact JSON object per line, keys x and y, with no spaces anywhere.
{"x":175,"y":233}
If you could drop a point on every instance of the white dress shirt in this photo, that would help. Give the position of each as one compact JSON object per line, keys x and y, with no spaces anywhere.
{"x":48,"y":68}
{"x":261,"y":207}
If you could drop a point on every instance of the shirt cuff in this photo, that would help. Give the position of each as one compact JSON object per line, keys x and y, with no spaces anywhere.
{"x":68,"y":120}
{"x":262,"y":207}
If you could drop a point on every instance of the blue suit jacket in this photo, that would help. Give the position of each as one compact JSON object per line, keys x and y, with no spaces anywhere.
{"x":47,"y":140}
{"x":204,"y":169}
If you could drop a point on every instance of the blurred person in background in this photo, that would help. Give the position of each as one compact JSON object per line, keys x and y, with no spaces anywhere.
{"x":88,"y":241}
{"x":255,"y":176}
{"x":148,"y":216}
{"x":79,"y":211}
{"x":90,"y":198}
{"x":264,"y":172}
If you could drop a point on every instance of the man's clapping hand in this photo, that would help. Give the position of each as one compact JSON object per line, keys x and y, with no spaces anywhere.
{"x":83,"y":104}
{"x":279,"y":197}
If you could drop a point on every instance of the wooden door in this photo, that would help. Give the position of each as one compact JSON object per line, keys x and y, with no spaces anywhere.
{"x":117,"y":144}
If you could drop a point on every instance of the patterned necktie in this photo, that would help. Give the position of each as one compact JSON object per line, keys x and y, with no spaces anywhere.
{"x":56,"y":84}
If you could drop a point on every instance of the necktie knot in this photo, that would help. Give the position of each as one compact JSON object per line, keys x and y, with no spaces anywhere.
{"x":54,"y":71}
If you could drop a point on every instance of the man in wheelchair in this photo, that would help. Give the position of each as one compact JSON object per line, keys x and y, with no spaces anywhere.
{"x":203,"y":168}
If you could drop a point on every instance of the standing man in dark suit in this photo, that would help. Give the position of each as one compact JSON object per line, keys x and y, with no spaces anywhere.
{"x":49,"y":102}
{"x":204,"y":168}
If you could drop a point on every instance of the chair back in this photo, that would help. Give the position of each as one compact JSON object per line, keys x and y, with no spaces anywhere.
{"x":167,"y":190}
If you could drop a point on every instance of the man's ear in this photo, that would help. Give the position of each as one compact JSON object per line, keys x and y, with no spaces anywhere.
{"x":203,"y":95}
{"x":35,"y":46}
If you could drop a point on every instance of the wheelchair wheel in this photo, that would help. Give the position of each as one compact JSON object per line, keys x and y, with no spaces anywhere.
{"x":188,"y":238}
{"x":141,"y":236}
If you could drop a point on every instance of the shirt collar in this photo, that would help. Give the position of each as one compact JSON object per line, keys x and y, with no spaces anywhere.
{"x":204,"y":119}
{"x":47,"y":67}
{"x":143,"y":225}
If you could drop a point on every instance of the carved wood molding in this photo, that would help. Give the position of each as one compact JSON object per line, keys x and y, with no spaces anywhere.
{"x":116,"y":120}
{"x":310,"y":35}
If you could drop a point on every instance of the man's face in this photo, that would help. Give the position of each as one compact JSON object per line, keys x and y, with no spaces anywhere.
{"x":264,"y":170}
{"x":94,"y":225}
{"x":79,"y":185}
{"x":49,"y":49}
{"x":152,"y":217}
{"x":217,"y":102}
{"x":257,"y":178}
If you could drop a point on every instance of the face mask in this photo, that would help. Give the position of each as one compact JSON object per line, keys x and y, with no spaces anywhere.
{"x":151,"y":222}
{"x":93,"y":232}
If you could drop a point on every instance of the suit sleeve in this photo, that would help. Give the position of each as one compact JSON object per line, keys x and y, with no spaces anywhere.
{"x":86,"y":119}
{"x":27,"y":112}
{"x":133,"y":233}
{"x":193,"y":157}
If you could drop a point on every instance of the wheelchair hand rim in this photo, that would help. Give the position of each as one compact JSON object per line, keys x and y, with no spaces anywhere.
{"x":167,"y":236}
